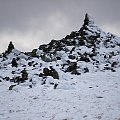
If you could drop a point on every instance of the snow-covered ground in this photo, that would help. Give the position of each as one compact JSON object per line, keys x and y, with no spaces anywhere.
{"x":85,"y":67}
{"x":90,"y":96}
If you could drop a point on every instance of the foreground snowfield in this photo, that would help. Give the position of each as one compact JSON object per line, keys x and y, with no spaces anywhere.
{"x":90,"y":96}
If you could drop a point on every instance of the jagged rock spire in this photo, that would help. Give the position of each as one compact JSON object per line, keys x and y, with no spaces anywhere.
{"x":88,"y":20}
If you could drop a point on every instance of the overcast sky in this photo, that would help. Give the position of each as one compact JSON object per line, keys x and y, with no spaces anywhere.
{"x":29,"y":23}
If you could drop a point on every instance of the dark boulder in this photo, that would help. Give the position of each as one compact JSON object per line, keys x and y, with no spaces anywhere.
{"x":10,"y":47}
{"x":30,"y":63}
{"x":85,"y":59}
{"x":86,"y":70}
{"x":114,"y":64}
{"x":30,"y":86}
{"x":33,"y":53}
{"x":11,"y":87}
{"x":72,"y":66}
{"x":58,"y":58}
{"x":46,"y":71}
{"x":75,"y":72}
{"x":14,"y":63}
{"x":6,"y":78}
{"x":55,"y":85}
{"x":41,"y":75}
{"x":81,"y":42}
{"x":71,"y":57}
{"x":24,"y":74}
{"x":54,"y":74}
{"x":17,"y":79}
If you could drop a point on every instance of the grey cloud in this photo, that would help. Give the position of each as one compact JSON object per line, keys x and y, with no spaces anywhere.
{"x":34,"y":22}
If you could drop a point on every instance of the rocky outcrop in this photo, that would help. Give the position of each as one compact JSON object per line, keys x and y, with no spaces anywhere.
{"x":87,"y":50}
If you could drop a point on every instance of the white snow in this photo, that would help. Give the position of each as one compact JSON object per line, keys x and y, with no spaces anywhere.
{"x":91,"y":96}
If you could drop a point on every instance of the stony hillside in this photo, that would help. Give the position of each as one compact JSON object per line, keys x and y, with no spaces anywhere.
{"x":75,"y":78}
{"x":86,"y":50}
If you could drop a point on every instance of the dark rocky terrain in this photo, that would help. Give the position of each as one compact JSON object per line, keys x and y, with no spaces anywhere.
{"x":86,"y":50}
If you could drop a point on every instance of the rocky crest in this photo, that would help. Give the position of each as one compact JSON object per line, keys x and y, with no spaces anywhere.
{"x":86,"y":50}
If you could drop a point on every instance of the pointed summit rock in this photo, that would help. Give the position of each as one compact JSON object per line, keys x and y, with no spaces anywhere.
{"x":88,"y":20}
{"x":87,"y":25}
{"x":10,"y":47}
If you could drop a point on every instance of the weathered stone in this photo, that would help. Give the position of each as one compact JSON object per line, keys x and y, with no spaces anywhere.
{"x":24,"y":74}
{"x":46,"y":71}
{"x":71,"y":57}
{"x":58,"y":58}
{"x":72,"y":66}
{"x":41,"y":75}
{"x":11,"y":87}
{"x":33,"y":53}
{"x":55,"y":85}
{"x":6,"y":78}
{"x":10,"y":47}
{"x":86,"y":70}
{"x":54,"y":74}
{"x":114,"y":64}
{"x":75,"y":72}
{"x":14,"y":63}
{"x":81,"y":42}
{"x":84,"y":58}
{"x":30,"y":63}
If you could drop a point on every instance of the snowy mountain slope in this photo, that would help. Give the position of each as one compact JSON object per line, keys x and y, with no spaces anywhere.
{"x":75,"y":78}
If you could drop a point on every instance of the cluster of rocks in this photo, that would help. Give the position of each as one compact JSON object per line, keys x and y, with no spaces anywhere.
{"x":49,"y":72}
{"x":18,"y":79}
{"x":82,"y":46}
